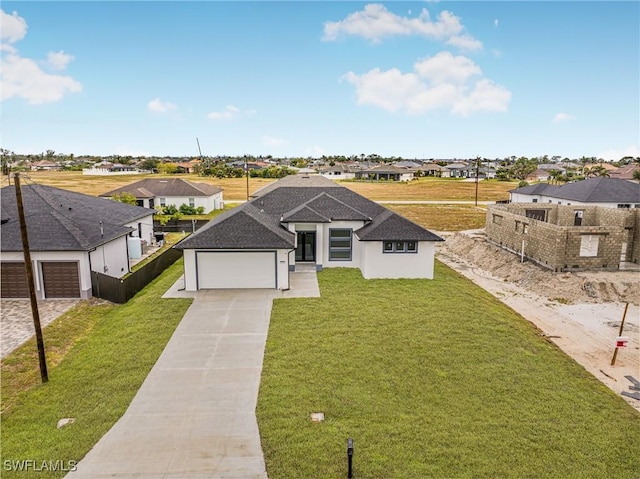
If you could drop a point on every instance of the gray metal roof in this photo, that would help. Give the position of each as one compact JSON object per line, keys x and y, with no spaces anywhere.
{"x":156,"y":187}
{"x":61,"y":220}
{"x":592,"y":190}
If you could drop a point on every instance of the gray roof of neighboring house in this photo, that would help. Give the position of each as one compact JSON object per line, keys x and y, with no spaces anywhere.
{"x":258,"y":224}
{"x":61,"y":220}
{"x":592,"y":190}
{"x":155,"y":187}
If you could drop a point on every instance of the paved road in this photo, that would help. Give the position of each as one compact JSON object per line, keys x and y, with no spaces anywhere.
{"x":194,"y":416}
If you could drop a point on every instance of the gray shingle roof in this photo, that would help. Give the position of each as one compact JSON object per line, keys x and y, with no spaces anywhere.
{"x":297,"y":181}
{"x":390,"y":226}
{"x":244,"y":227}
{"x":155,"y":187}
{"x":592,"y":190}
{"x":61,"y":220}
{"x":257,"y":224}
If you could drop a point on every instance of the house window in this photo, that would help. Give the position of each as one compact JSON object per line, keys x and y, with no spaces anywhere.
{"x":399,"y":247}
{"x":163,"y":202}
{"x":192,"y":202}
{"x":497,"y":219}
{"x":589,"y":245}
{"x":624,"y":205}
{"x":340,"y":244}
{"x":535,"y":200}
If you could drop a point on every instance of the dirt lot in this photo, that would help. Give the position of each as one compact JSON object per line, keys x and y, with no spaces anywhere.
{"x":580,"y":312}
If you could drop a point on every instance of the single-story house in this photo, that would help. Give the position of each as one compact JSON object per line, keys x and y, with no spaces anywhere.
{"x":304,"y":219}
{"x":70,"y":235}
{"x":386,"y":172}
{"x":152,"y":193}
{"x":106,"y":168}
{"x":45,"y":165}
{"x":538,"y":175}
{"x":338,"y":172}
{"x":625,"y":172}
{"x":600,"y":191}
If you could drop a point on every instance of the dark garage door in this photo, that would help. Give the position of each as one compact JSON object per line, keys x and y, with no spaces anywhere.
{"x":60,"y":280}
{"x":13,"y":281}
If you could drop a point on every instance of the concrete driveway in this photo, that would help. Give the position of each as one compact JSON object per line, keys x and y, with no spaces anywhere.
{"x":194,"y":416}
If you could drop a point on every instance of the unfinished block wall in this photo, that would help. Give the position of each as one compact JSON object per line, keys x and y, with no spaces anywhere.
{"x":604,"y":236}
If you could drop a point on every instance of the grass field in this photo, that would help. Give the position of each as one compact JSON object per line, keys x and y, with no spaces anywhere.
{"x":432,"y":379}
{"x":235,"y":189}
{"x":98,"y":356}
{"x":443,"y":217}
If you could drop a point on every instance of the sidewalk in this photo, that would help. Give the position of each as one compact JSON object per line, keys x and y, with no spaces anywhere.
{"x":194,"y":416}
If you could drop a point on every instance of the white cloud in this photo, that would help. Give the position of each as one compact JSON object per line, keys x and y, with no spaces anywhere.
{"x":12,"y":27}
{"x":22,"y":77}
{"x":374,"y":22}
{"x":465,"y":42}
{"x":59,"y":60}
{"x":441,"y":81}
{"x":157,"y":106}
{"x":496,"y":22}
{"x":229,"y":113}
{"x":562,"y":117}
{"x":615,"y":155}
{"x":273,"y":142}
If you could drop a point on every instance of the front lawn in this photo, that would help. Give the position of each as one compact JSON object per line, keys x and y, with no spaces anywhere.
{"x":432,"y":379}
{"x":99,"y":355}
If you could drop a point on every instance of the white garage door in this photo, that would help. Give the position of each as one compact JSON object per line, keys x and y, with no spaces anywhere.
{"x":236,"y":270}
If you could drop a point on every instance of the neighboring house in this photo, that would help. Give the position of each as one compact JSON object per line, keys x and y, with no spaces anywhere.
{"x":432,"y":169}
{"x":625,"y":172}
{"x":304,"y":219}
{"x":104,"y":169}
{"x":385,"y":172}
{"x":601,"y":191}
{"x":458,"y":170}
{"x":153,"y":192}
{"x":538,"y":175}
{"x":338,"y":172}
{"x":44,"y":165}
{"x":70,"y":235}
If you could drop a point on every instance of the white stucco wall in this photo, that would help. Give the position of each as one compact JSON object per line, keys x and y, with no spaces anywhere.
{"x":111,"y":258}
{"x":209,"y":203}
{"x":376,"y":264}
{"x":146,"y":223}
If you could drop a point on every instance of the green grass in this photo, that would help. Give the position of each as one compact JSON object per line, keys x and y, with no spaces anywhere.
{"x":432,"y":379}
{"x":109,"y":352}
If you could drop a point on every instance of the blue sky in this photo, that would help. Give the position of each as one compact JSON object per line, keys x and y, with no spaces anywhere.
{"x":410,"y":79}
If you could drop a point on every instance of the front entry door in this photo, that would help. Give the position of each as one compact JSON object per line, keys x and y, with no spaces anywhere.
{"x":306,"y":249}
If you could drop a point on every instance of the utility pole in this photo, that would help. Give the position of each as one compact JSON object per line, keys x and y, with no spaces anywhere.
{"x":477,"y":173}
{"x":30,"y":283}
{"x":246,"y":172}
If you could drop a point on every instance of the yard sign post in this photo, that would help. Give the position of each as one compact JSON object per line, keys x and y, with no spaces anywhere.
{"x":32,"y":289}
{"x":619,"y":344}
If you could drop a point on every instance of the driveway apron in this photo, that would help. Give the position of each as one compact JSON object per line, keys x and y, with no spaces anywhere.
{"x":194,"y":416}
